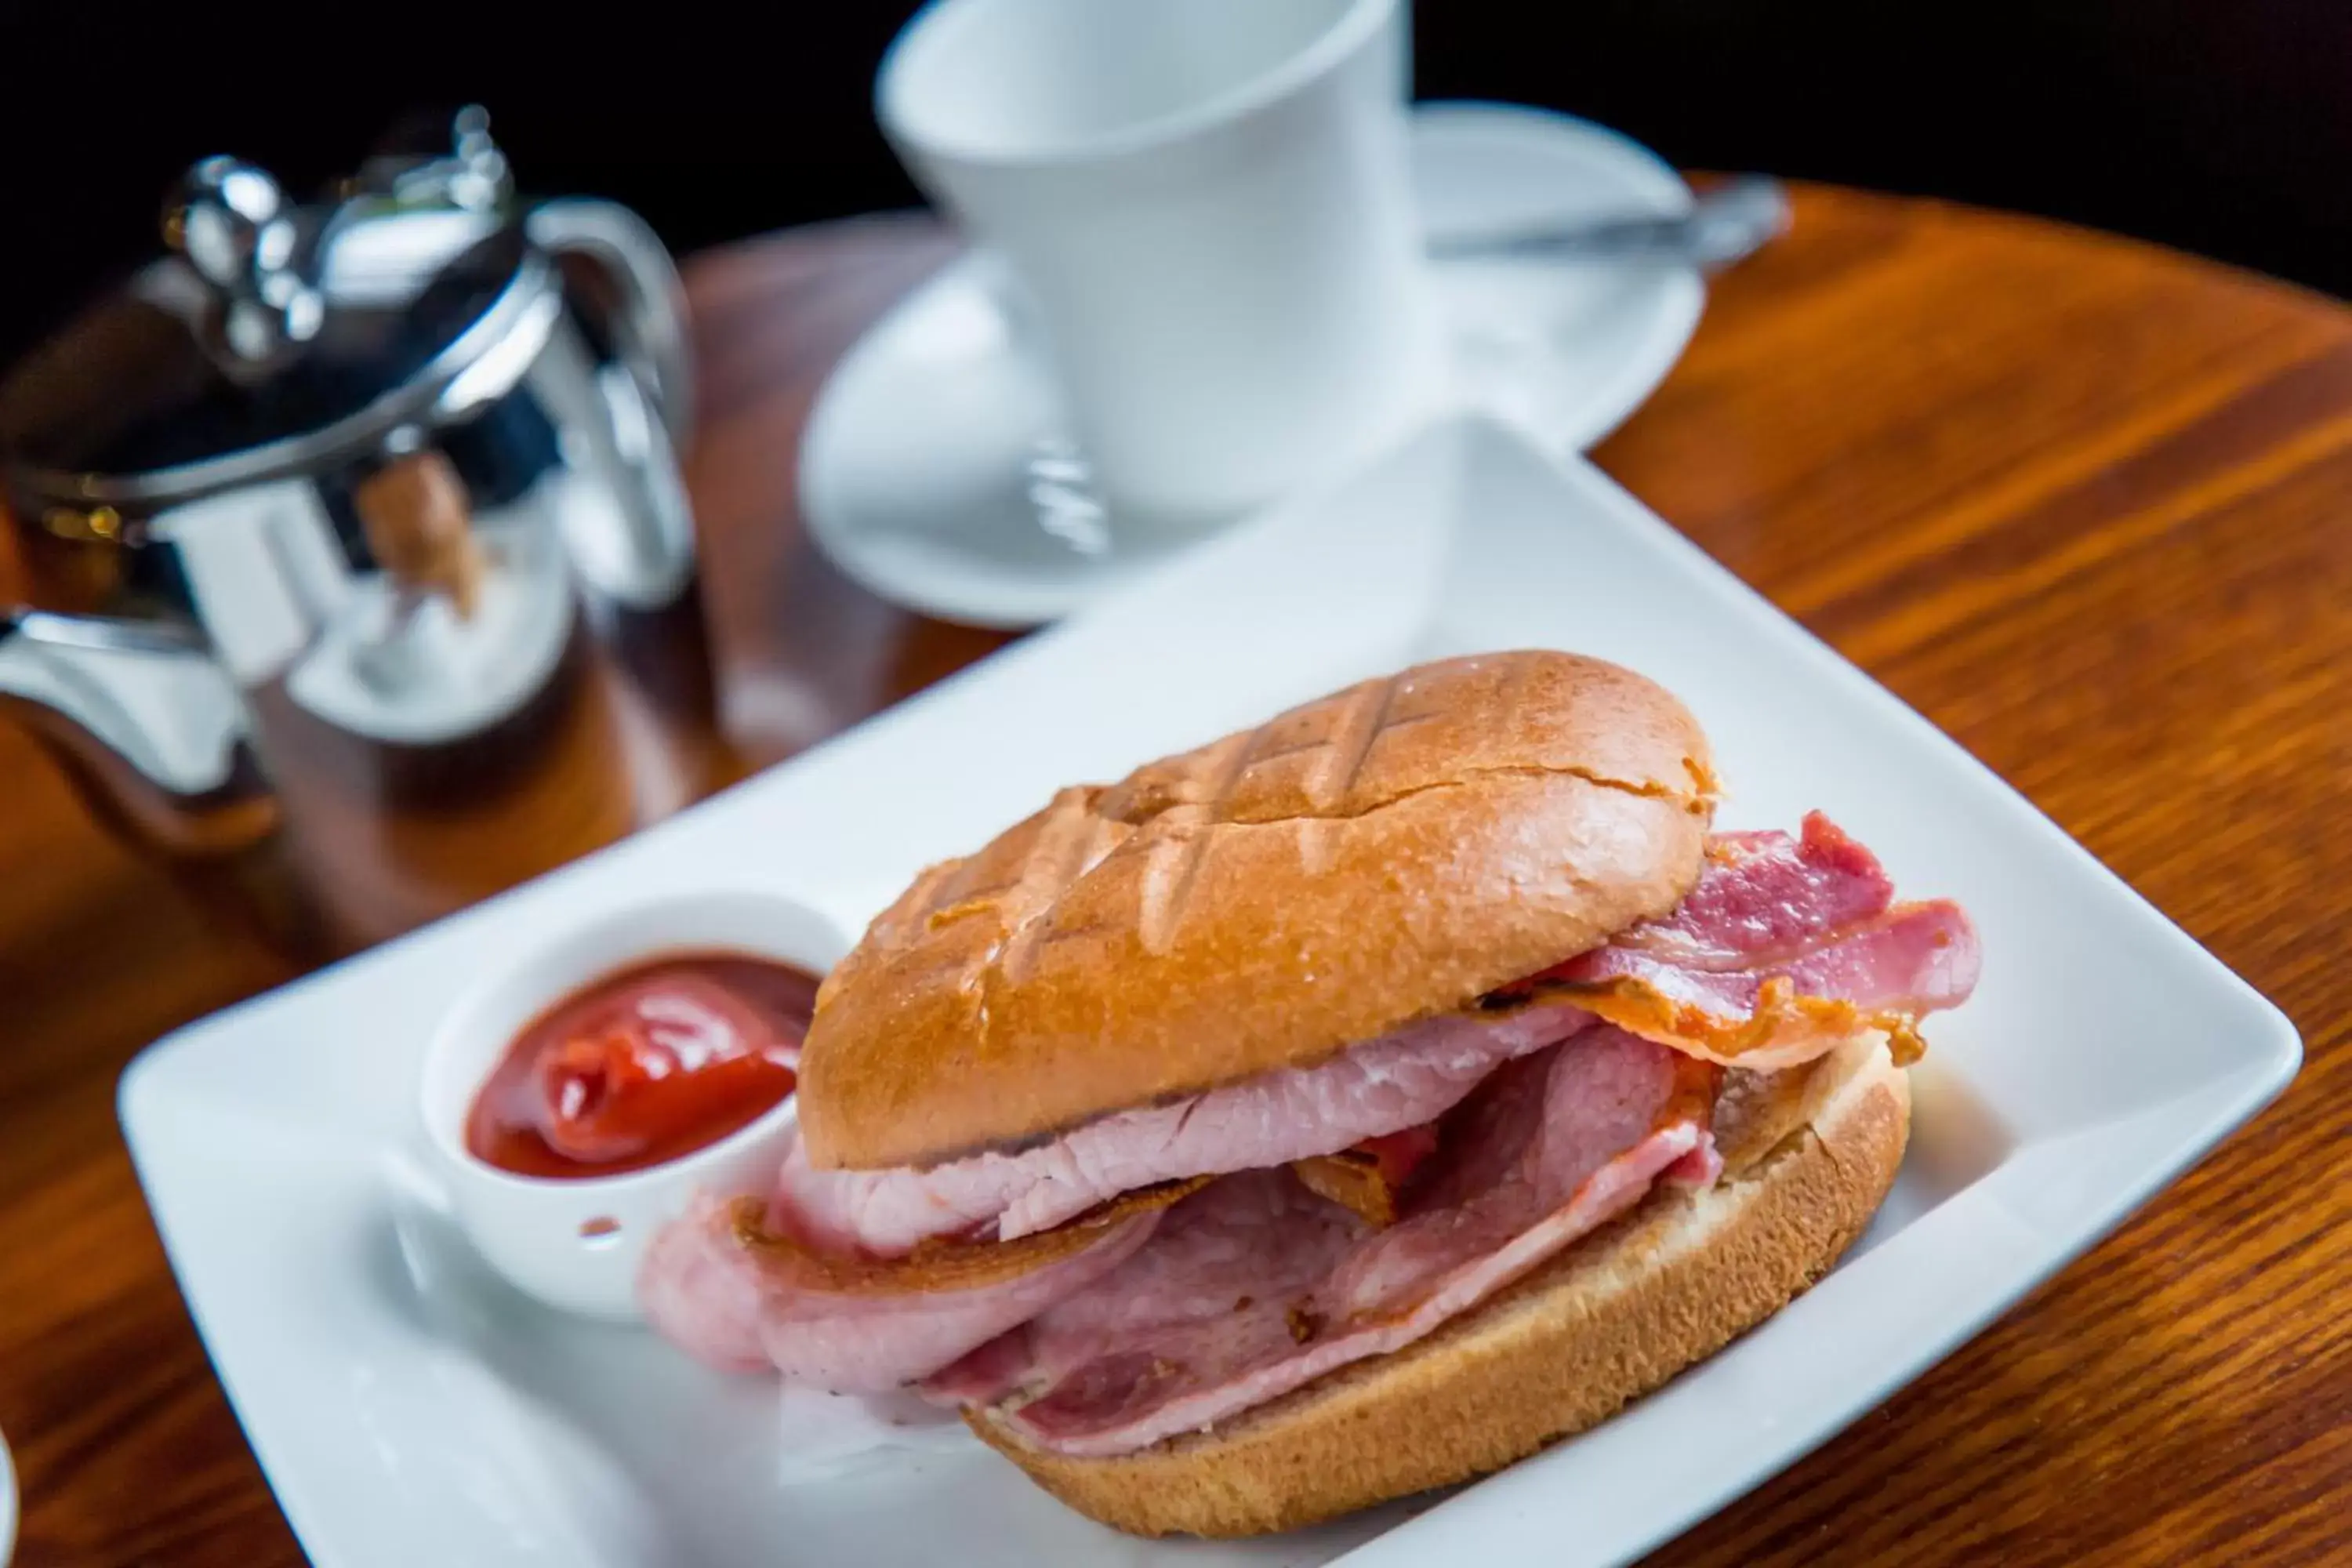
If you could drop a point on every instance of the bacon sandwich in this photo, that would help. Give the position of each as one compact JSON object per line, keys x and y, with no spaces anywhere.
{"x":1349,"y":1107}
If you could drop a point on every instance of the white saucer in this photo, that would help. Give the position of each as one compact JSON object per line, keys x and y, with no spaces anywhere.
{"x":916,"y":474}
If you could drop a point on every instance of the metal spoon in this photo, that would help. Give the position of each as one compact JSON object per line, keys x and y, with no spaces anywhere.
{"x":1723,"y":226}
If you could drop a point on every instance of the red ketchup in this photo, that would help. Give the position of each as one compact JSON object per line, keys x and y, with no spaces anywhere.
{"x":645,"y":1065}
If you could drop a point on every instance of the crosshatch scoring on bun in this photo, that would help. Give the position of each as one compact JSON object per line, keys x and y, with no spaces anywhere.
{"x":1394,"y":850}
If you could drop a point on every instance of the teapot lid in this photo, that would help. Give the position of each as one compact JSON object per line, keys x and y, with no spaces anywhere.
{"x":276,"y":337}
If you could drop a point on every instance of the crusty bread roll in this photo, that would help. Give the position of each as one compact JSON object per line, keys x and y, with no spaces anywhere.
{"x":1394,"y":850}
{"x":1809,"y":1159}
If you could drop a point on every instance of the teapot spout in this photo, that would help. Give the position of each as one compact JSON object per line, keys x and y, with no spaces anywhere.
{"x":144,"y":723}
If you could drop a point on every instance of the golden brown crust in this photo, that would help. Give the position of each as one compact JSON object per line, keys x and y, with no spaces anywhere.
{"x":1390,"y":851}
{"x":1609,"y":1320}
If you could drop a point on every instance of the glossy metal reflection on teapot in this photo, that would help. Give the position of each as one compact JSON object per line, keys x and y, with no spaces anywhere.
{"x":357,"y":542}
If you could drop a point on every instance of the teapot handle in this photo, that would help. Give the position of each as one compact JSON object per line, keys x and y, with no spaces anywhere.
{"x":651,"y":324}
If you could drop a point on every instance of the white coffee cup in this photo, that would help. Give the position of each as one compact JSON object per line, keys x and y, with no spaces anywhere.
{"x":1207,"y":206}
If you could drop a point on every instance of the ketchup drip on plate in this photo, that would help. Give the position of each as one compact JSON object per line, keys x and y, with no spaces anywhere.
{"x":645,"y":1065}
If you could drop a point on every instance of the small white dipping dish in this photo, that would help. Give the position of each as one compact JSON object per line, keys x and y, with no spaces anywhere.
{"x":575,"y":1242}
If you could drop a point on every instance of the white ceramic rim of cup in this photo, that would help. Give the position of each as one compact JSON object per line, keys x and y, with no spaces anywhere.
{"x":9,"y":1503}
{"x":500,"y":1005}
{"x":1347,"y":32}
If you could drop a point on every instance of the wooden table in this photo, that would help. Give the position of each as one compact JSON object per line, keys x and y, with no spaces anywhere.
{"x":2086,"y":504}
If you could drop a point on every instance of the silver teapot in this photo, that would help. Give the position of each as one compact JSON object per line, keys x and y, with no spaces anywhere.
{"x":358,"y":575}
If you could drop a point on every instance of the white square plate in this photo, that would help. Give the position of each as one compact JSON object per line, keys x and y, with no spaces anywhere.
{"x":409,"y":1409}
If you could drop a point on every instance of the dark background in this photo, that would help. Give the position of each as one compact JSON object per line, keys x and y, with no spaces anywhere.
{"x":2221,"y":126}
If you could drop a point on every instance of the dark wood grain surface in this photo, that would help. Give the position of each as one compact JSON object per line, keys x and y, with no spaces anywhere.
{"x":2086,"y":505}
